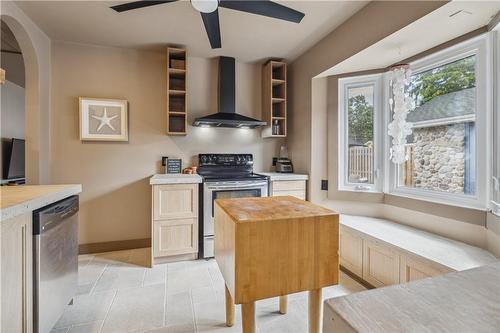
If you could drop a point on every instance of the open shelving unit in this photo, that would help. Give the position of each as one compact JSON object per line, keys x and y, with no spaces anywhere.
{"x":176,"y":91}
{"x":274,"y":99}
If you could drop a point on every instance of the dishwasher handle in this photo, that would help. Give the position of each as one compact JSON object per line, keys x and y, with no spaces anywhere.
{"x":51,"y":216}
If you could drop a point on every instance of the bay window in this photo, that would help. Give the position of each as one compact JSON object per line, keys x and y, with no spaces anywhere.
{"x":447,"y":151}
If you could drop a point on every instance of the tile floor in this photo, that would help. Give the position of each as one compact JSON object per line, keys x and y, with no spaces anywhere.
{"x":117,"y":293}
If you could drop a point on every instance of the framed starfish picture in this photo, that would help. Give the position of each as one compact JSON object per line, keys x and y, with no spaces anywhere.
{"x":103,"y":119}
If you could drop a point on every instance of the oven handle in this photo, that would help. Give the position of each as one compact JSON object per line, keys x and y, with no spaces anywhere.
{"x":236,"y":186}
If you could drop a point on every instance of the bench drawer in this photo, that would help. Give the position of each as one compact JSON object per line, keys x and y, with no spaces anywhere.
{"x":412,"y":270}
{"x":351,"y":251}
{"x":380,"y":264}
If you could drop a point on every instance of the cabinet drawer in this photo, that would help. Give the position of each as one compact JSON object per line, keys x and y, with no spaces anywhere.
{"x":412,"y":269}
{"x":298,"y":194}
{"x":351,"y":251}
{"x":175,"y":201}
{"x":173,"y":237}
{"x":289,"y":185}
{"x":380,"y":264}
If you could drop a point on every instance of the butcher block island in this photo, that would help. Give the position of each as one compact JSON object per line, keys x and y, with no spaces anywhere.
{"x":275,"y":246}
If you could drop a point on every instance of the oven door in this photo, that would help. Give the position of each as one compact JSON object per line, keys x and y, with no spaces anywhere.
{"x":225,"y":190}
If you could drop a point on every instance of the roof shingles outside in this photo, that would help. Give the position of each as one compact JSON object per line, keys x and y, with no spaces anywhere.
{"x":454,"y":104}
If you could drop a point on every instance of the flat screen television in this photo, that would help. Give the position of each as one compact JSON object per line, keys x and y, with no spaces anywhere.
{"x":15,"y":167}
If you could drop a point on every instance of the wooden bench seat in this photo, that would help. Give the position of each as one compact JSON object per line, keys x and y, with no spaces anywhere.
{"x":382,"y":252}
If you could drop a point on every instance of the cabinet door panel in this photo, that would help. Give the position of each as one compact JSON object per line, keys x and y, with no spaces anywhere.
{"x":412,"y":269}
{"x":16,"y":274}
{"x":298,"y":194}
{"x":175,"y":201}
{"x":289,"y":185}
{"x":380,"y":264}
{"x":351,"y":251}
{"x":173,"y":237}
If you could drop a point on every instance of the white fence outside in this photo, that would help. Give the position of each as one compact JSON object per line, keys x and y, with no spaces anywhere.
{"x":360,"y":164}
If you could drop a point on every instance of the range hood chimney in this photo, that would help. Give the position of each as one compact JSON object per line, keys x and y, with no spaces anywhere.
{"x":227,"y":116}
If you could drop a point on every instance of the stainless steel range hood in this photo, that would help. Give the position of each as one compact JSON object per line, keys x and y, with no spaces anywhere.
{"x":227,"y":116}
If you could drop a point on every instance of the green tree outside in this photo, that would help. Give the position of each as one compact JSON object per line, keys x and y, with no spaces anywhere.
{"x":442,"y":80}
{"x":360,"y":115}
{"x":424,"y":86}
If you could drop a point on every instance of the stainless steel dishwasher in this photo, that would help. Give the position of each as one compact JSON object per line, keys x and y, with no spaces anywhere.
{"x":55,"y":261}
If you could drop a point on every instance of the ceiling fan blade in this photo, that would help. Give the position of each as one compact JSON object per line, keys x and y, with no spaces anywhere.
{"x":265,"y":8}
{"x":211,"y":22}
{"x":138,"y":4}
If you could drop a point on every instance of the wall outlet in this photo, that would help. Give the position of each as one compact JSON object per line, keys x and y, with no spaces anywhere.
{"x":324,"y":185}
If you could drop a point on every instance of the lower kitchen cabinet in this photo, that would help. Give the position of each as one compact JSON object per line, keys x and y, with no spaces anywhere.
{"x":351,"y":252}
{"x":175,"y":222}
{"x":296,"y":188}
{"x":380,"y":264}
{"x":174,"y":237}
{"x":16,"y":274}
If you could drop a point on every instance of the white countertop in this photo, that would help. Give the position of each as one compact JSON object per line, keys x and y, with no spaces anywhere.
{"x":17,"y":200}
{"x":456,"y":302}
{"x":174,"y":178}
{"x":277,"y":176}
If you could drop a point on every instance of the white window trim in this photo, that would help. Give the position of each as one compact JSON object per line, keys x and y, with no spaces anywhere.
{"x":478,"y":46}
{"x":343,"y":85}
{"x":495,"y":179}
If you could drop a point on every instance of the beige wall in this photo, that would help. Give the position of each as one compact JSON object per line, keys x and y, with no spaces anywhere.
{"x":116,"y":198}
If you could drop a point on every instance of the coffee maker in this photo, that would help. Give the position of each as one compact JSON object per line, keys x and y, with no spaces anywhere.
{"x":283,"y":163}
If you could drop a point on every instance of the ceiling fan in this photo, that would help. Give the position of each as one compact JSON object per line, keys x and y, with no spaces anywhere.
{"x":209,"y":10}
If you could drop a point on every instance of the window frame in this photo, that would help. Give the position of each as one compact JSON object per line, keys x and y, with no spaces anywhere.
{"x":343,"y":85}
{"x":495,"y":179}
{"x":479,"y":47}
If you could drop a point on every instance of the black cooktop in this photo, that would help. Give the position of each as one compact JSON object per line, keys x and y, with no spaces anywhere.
{"x":227,"y":167}
{"x":233,"y":177}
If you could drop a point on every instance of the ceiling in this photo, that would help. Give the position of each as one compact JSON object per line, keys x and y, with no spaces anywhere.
{"x":247,"y":37}
{"x":452,"y":20}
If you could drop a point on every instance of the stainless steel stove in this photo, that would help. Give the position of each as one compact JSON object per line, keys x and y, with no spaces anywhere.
{"x":225,"y":176}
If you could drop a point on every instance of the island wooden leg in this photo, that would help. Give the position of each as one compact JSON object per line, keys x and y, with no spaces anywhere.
{"x":229,"y":309}
{"x":315,"y":310}
{"x":248,"y":312}
{"x":283,"y":304}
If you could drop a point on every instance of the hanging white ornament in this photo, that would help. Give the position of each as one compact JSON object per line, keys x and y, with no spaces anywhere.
{"x":400,"y":104}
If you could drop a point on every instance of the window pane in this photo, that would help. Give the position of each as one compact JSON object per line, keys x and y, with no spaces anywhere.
{"x":442,"y":148}
{"x":360,"y":111}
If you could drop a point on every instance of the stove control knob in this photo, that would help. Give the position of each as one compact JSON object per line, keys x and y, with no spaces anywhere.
{"x":203,"y":159}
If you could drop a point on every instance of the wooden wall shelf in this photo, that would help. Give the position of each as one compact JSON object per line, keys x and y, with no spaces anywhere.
{"x":274,"y":99}
{"x":176,"y":88}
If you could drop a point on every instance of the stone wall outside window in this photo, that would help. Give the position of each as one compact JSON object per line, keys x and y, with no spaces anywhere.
{"x":439,"y":158}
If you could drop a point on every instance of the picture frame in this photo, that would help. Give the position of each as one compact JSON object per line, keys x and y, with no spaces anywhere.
{"x":103,"y":119}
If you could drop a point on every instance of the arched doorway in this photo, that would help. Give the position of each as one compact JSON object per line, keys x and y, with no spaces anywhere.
{"x":12,"y":112}
{"x":36,"y":106}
